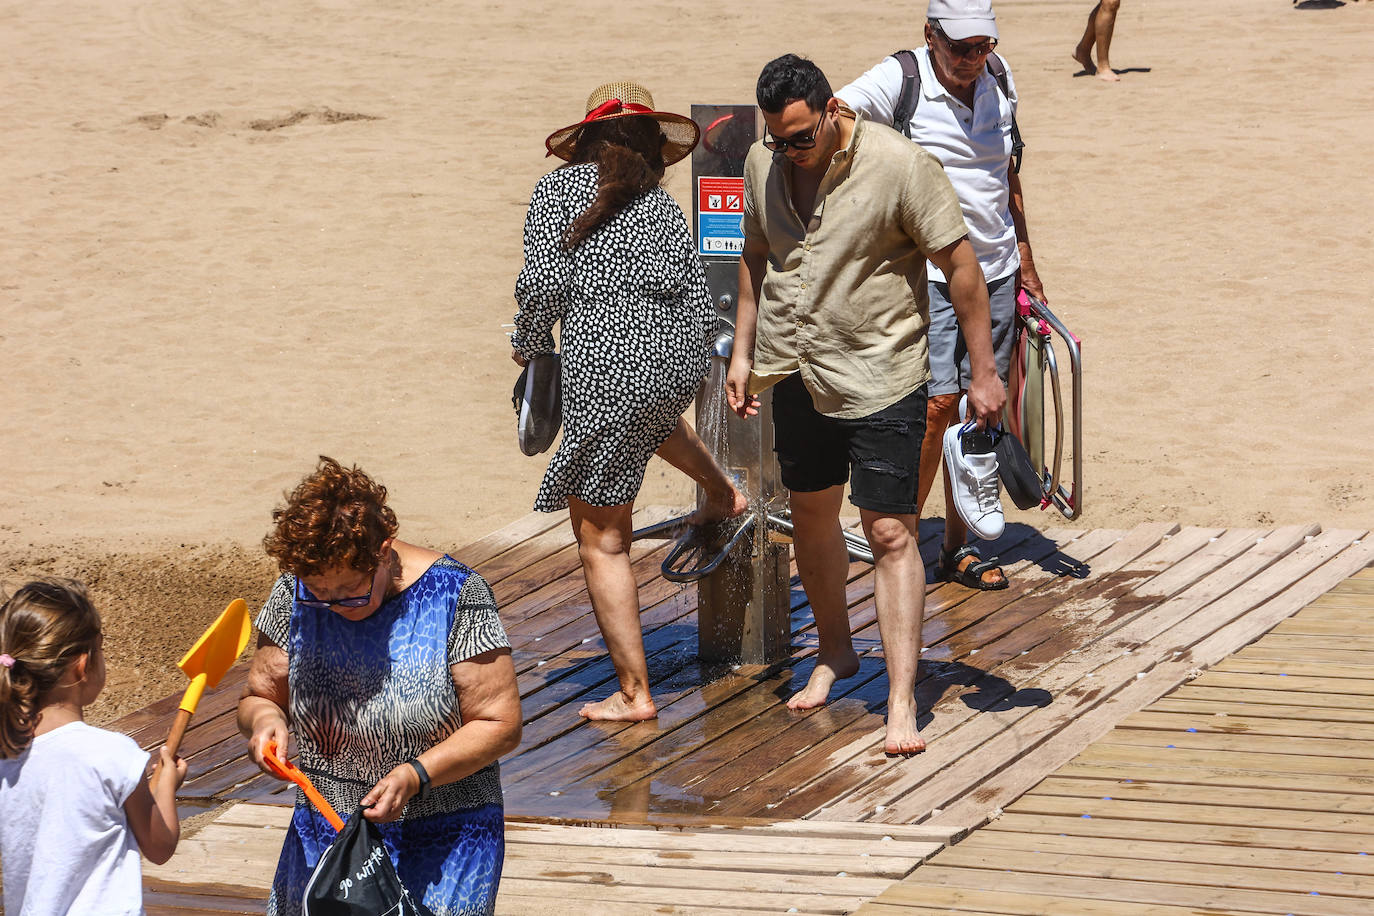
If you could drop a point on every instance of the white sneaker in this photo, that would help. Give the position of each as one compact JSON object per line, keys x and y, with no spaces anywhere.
{"x":972,"y":466}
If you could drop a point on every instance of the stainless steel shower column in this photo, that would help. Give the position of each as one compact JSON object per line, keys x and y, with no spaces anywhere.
{"x":744,"y":605}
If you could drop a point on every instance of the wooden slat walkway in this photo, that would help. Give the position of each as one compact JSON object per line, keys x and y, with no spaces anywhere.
{"x":1246,"y":790}
{"x":1095,"y":626}
{"x":610,"y":869}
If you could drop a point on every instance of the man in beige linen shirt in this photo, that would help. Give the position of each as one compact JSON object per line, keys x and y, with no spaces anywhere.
{"x":840,"y":216}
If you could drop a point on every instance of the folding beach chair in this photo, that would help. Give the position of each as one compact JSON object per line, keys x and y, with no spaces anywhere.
{"x":1034,"y":359}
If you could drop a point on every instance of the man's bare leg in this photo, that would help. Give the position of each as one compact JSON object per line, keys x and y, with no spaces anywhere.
{"x":1083,"y":53}
{"x":1098,"y":33}
{"x":823,"y":563}
{"x":941,"y":409}
{"x":899,"y":593}
{"x":1101,"y":23}
{"x":1105,"y":25}
{"x":603,"y":543}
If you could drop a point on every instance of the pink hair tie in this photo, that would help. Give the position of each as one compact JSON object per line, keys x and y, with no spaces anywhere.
{"x":7,"y":660}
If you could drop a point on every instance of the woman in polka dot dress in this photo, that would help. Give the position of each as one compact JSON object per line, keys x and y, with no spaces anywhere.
{"x":608,"y":253}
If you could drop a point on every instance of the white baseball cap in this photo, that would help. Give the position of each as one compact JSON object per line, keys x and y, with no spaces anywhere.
{"x":960,"y":19}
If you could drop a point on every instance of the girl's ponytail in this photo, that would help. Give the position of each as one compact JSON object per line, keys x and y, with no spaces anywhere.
{"x":45,"y":626}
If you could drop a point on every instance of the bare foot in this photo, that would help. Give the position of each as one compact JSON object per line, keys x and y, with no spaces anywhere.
{"x":823,"y":677}
{"x":1107,"y":74}
{"x":1085,"y":58}
{"x":618,"y":708}
{"x":720,"y":505}
{"x":902,"y":738}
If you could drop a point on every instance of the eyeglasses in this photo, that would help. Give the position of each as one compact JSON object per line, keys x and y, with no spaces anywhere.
{"x":967,"y":48}
{"x":794,"y":142}
{"x":305,"y":599}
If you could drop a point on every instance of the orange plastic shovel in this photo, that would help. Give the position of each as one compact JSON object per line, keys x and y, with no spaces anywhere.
{"x":287,"y":770}
{"x":212,"y":655}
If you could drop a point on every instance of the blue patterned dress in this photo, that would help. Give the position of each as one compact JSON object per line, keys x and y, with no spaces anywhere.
{"x":369,"y":695}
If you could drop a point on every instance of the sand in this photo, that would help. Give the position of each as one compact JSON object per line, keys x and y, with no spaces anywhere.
{"x":237,"y":235}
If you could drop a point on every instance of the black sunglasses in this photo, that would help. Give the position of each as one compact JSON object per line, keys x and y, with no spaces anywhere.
{"x":312,"y":602}
{"x":794,"y":142}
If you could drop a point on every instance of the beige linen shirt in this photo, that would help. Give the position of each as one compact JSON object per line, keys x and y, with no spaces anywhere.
{"x":844,"y":297}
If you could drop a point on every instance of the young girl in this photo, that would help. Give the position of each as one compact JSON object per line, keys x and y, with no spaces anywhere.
{"x":76,"y":807}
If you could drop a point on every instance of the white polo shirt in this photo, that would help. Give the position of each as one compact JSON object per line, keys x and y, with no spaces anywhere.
{"x":973,"y":146}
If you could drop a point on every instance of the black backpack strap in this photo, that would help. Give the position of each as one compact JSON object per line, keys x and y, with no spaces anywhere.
{"x":911,"y":91}
{"x":998,"y":68}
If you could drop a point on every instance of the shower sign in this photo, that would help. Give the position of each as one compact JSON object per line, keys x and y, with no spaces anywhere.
{"x":720,"y":206}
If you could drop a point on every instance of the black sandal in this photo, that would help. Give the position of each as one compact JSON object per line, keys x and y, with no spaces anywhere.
{"x":970,"y":576}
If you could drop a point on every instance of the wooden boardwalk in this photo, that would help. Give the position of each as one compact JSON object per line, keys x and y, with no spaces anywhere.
{"x":1096,"y":626}
{"x":1247,"y":790}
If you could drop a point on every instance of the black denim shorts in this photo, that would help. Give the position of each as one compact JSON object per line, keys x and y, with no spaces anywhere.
{"x":879,"y":454}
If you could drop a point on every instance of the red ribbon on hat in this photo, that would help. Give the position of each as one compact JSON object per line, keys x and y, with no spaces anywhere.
{"x":614,"y":106}
{"x":606,"y":109}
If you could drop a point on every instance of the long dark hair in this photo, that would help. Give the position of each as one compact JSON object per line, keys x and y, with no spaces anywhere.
{"x":628,"y":153}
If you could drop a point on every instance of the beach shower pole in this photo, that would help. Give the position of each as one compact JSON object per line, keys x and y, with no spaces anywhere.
{"x":743,"y":607}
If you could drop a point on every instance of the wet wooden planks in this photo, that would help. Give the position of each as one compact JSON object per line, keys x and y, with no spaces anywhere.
{"x":690,"y":866}
{"x":739,"y":866}
{"x":1095,"y":626}
{"x":1149,"y":639}
{"x":1244,"y":790}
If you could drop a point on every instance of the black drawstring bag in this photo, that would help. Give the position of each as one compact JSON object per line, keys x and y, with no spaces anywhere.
{"x":1017,"y":472}
{"x":355,"y":877}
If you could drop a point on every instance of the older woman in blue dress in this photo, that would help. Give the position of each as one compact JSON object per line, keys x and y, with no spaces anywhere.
{"x":388,"y":663}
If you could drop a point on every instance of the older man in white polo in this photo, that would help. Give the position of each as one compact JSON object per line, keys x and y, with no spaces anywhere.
{"x":964,"y":113}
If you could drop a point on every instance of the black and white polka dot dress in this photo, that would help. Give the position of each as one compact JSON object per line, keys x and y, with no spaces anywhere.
{"x":637,"y":328}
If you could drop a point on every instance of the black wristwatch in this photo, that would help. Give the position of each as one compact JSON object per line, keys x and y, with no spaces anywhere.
{"x":421,"y":772}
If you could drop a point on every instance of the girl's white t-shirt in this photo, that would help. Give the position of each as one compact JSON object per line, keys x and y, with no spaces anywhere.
{"x":65,"y":842}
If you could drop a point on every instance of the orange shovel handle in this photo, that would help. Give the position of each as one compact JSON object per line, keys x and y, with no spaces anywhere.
{"x":290,"y":771}
{"x":183,"y":719}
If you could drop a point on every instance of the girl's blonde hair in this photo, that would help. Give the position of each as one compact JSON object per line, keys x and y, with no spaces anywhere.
{"x":45,"y":626}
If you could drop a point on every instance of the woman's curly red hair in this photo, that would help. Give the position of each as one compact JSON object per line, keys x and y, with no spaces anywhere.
{"x":336,"y":517}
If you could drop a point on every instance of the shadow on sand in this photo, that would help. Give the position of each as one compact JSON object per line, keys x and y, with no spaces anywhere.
{"x":1117,"y":70}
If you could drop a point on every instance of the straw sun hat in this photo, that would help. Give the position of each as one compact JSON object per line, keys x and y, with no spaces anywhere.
{"x":622,"y":100}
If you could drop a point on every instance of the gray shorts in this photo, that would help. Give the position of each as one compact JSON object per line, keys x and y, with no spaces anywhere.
{"x":949,"y":366}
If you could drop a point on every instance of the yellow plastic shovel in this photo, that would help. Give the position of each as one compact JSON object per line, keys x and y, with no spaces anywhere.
{"x":212,"y":655}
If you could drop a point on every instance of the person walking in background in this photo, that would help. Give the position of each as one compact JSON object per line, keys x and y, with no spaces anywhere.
{"x":1101,"y":22}
{"x":609,"y":255}
{"x":832,"y":313}
{"x":77,"y":808}
{"x":960,"y":105}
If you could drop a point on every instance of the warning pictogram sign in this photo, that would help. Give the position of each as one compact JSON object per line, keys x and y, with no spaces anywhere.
{"x":720,"y":195}
{"x":720,"y":204}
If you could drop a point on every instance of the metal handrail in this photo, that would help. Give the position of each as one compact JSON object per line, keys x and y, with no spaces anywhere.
{"x":856,"y":546}
{"x":684,"y":561}
{"x":664,"y":529}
